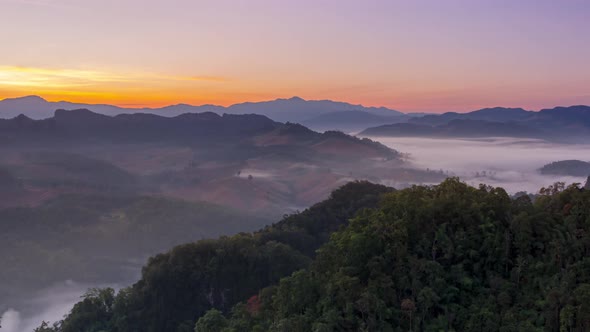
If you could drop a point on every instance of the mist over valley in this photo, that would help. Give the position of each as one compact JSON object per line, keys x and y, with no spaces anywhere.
{"x":87,"y":198}
{"x":294,"y":166}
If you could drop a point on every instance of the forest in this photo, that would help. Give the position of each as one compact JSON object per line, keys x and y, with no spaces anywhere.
{"x":448,"y":257}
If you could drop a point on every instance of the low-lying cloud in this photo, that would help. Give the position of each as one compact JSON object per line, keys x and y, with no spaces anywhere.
{"x":49,"y":305}
{"x":509,"y":163}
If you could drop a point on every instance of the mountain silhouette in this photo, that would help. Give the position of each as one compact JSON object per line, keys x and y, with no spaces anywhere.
{"x":571,"y":124}
{"x":294,"y":109}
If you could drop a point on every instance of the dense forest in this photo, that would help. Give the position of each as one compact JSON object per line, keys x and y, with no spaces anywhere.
{"x":448,"y":257}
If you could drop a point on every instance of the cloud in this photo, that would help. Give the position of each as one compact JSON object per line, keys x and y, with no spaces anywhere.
{"x":509,"y":163}
{"x":11,"y":321}
{"x":32,"y":77}
{"x":203,"y":78}
{"x":48,"y":305}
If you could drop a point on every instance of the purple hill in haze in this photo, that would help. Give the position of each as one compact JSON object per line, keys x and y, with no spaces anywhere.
{"x":284,"y":110}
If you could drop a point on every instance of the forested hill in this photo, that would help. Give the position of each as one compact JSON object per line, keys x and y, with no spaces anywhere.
{"x":443,"y":258}
{"x":179,"y":286}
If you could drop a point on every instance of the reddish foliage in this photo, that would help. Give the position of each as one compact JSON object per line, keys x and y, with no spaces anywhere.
{"x":253,"y":305}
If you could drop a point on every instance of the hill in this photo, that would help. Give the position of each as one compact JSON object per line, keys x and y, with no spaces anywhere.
{"x":82,"y":126}
{"x":570,"y":124}
{"x":297,"y":109}
{"x":494,"y":114}
{"x":249,"y":161}
{"x":567,"y":167}
{"x":456,"y":129}
{"x":424,"y":258}
{"x":247,"y":261}
{"x":96,"y":238}
{"x":350,"y":121}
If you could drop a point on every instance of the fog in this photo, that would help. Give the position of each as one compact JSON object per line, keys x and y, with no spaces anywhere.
{"x":49,"y":305}
{"x":510,"y":163}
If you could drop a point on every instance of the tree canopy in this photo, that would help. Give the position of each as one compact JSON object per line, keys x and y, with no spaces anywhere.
{"x":448,"y":257}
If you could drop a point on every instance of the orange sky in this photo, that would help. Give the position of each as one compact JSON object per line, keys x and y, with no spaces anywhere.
{"x":428,"y":55}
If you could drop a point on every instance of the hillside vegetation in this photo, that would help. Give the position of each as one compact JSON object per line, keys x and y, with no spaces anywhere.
{"x":443,"y":258}
{"x":567,"y":167}
{"x":98,"y":238}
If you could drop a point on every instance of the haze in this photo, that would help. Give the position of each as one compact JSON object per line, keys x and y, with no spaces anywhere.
{"x":507,"y":162}
{"x":214,"y":164}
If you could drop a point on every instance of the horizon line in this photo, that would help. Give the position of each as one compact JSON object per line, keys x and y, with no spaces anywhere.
{"x":129,"y":106}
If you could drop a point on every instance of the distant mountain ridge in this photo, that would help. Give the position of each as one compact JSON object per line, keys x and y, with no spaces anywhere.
{"x":497,"y":114}
{"x":294,"y":109}
{"x":352,"y":121}
{"x":560,"y":123}
{"x":456,"y":128}
{"x":243,"y":132}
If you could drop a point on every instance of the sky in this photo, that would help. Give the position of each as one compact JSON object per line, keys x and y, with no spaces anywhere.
{"x":413,"y":56}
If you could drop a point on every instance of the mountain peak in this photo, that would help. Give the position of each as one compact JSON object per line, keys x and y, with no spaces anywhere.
{"x":21,"y":117}
{"x":295,"y":98}
{"x":31,"y":98}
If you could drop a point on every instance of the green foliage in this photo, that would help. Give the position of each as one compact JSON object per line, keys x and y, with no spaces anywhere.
{"x":183,"y":284}
{"x":45,"y":327}
{"x":212,"y":321}
{"x":443,"y":258}
{"x":446,"y":258}
{"x":93,"y":313}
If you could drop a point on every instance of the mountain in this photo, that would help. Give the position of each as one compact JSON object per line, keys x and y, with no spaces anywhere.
{"x":293,"y":109}
{"x":197,"y":156}
{"x":351,"y":121}
{"x":456,"y":128}
{"x":563,"y":121}
{"x":36,"y":107}
{"x":79,"y":127}
{"x":495,"y":114}
{"x":297,"y":109}
{"x":237,"y":266}
{"x":448,"y":257}
{"x":85,"y":193}
{"x":571,"y":124}
{"x":576,"y":168}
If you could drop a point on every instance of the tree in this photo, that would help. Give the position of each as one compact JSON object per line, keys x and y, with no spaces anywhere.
{"x":408,"y":307}
{"x":212,"y":321}
{"x":46,"y":328}
{"x":448,"y":257}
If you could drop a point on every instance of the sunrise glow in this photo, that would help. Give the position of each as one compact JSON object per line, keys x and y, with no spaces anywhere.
{"x":447,"y":56}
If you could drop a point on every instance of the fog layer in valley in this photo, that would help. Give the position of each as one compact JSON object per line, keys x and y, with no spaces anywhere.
{"x":293,"y":181}
{"x":509,"y":163}
{"x":49,"y":305}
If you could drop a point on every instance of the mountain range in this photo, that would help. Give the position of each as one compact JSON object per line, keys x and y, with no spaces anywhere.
{"x":560,"y":123}
{"x":456,"y":128}
{"x":571,"y":124}
{"x":294,"y":109}
{"x":139,"y":183}
{"x":206,"y":154}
